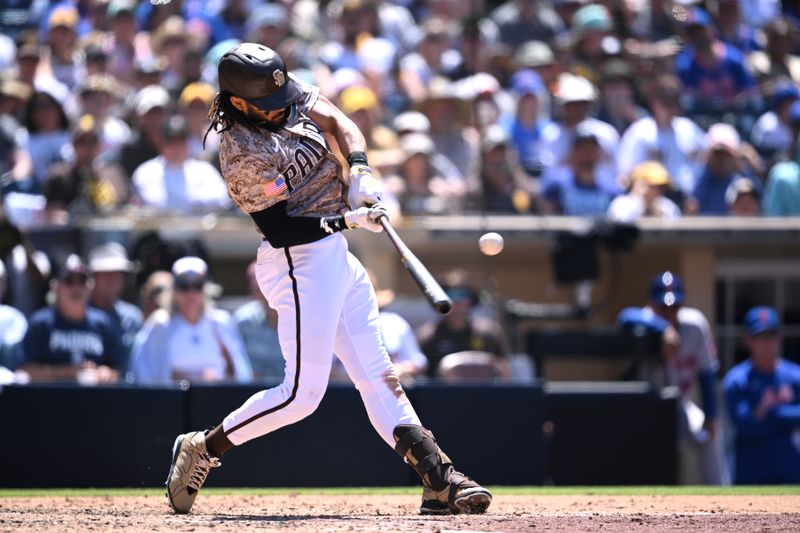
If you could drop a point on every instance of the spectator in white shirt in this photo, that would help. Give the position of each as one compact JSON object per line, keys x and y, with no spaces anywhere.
{"x":649,"y":181}
{"x":674,"y":141}
{"x":173,"y":181}
{"x":192,"y":340}
{"x":575,"y":97}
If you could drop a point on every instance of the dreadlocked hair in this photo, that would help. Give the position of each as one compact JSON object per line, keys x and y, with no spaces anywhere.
{"x":223,"y":115}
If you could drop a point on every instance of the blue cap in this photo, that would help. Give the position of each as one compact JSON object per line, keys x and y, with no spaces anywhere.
{"x":794,"y":111}
{"x":527,"y":81}
{"x":785,"y":91}
{"x":666,"y":289}
{"x":761,"y":319}
{"x":698,"y":17}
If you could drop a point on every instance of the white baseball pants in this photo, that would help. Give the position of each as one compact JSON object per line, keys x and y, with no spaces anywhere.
{"x":326,"y":305}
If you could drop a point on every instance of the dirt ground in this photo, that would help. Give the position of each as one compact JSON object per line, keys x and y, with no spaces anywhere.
{"x":386,"y":513}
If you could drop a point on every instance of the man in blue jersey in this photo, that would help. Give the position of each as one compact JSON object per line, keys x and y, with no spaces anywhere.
{"x":763,"y":397}
{"x":71,"y":341}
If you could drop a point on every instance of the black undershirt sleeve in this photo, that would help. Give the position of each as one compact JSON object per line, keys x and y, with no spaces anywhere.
{"x":282,"y":230}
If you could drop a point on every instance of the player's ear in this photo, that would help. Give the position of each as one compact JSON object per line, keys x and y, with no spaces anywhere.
{"x":239,"y":103}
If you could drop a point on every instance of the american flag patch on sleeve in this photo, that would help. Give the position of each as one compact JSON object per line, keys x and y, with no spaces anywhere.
{"x":275,"y":187}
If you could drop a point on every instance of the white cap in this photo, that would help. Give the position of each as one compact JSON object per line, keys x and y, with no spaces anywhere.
{"x":109,"y":257}
{"x":572,"y":88}
{"x":150,"y":97}
{"x":190,"y":266}
{"x":411,"y":121}
{"x":724,"y":136}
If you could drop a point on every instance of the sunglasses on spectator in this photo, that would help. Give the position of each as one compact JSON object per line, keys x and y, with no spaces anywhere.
{"x":75,"y":280}
{"x":186,"y":286}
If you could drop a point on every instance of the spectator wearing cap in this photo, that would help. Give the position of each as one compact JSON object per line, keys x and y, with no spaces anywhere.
{"x":268,"y":25}
{"x":150,"y":106}
{"x":109,"y":266}
{"x":48,"y":128}
{"x":418,"y":185}
{"x":538,"y":56}
{"x":64,"y":60}
{"x":190,"y":339}
{"x":171,"y":41}
{"x":743,"y":198}
{"x":122,"y":45}
{"x":575,"y":96}
{"x":723,"y":166}
{"x":194,"y":102}
{"x":361,"y":104}
{"x":12,"y":327}
{"x":527,"y":124}
{"x":713,"y":73}
{"x":618,"y":105}
{"x":772,"y":134}
{"x":71,"y":341}
{"x":665,"y":136}
{"x":451,"y":129}
{"x":522,"y":20}
{"x":257,"y":323}
{"x":778,"y":60}
{"x":32,"y":70}
{"x":460,"y":330}
{"x":763,"y":398}
{"x":503,"y":182}
{"x":96,"y":183}
{"x":589,"y":26}
{"x":97,"y":96}
{"x":649,"y":181}
{"x":174,"y":182}
{"x":434,"y":56}
{"x":576,"y":189}
{"x":782,"y":191}
{"x":372,"y":55}
{"x":688,"y":358}
{"x":414,"y":122}
{"x":732,"y":29}
{"x":14,"y":159}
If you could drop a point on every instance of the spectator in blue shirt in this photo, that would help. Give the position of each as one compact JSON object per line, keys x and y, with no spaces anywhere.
{"x":782,"y":191}
{"x":109,"y":266}
{"x":712,"y":71}
{"x":574,"y":189}
{"x":526,"y":126}
{"x":763,"y":396}
{"x":71,"y":341}
{"x":722,"y":168}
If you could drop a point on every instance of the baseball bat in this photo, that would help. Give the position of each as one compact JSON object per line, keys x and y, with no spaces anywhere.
{"x":430,"y":288}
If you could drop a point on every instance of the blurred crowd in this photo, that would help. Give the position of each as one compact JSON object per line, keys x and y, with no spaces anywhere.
{"x":628,"y":108}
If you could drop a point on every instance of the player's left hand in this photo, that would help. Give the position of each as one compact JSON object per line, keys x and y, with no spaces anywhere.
{"x":365,"y":190}
{"x":366,"y":217}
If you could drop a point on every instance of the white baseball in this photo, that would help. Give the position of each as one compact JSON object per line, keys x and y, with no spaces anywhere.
{"x":491,"y":243}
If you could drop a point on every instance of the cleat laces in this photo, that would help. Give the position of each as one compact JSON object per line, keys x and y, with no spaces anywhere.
{"x":200,"y":471}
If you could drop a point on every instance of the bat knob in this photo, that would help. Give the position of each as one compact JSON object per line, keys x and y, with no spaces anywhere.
{"x":443,"y":306}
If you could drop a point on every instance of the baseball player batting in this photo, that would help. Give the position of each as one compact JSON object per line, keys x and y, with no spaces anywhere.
{"x":279,"y":167}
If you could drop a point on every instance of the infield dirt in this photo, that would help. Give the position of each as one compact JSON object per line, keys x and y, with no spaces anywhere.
{"x":385,"y":513}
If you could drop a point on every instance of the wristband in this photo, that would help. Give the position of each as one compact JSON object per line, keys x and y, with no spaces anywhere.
{"x":333,"y":224}
{"x":357,"y":158}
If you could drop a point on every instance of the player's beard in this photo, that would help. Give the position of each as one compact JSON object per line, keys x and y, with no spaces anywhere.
{"x":275,"y":127}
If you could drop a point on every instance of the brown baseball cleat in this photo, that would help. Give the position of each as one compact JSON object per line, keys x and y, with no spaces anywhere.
{"x":191,"y":463}
{"x":462,"y":495}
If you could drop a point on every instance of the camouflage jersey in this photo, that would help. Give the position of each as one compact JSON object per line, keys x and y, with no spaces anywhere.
{"x":263,"y":168}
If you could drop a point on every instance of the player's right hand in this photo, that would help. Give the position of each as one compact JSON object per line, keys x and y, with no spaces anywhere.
{"x":365,"y":190}
{"x":366,"y":217}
